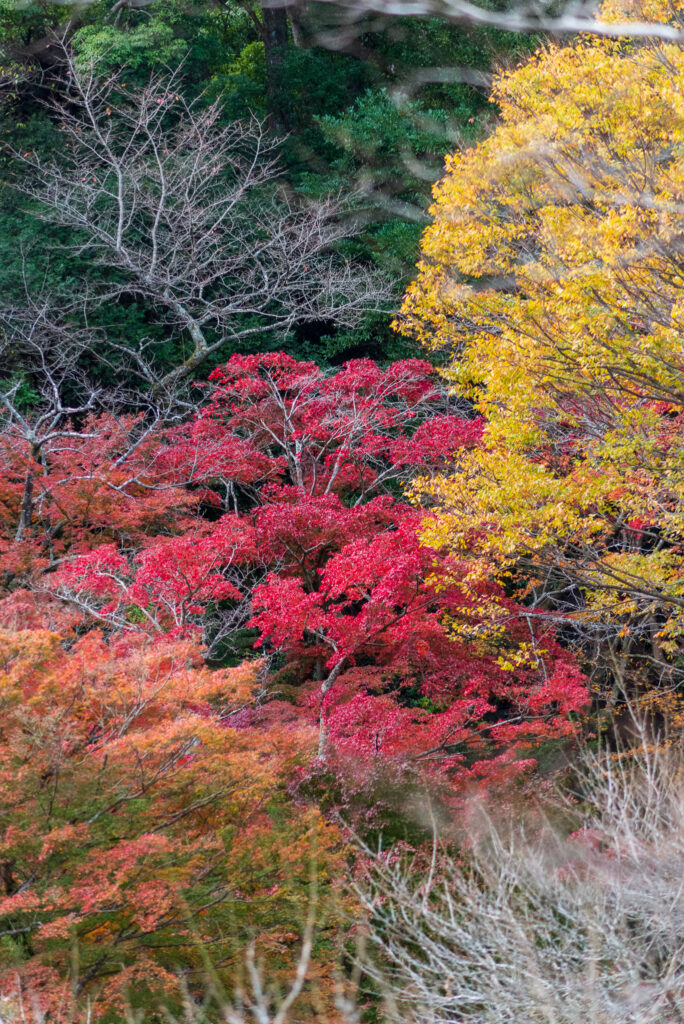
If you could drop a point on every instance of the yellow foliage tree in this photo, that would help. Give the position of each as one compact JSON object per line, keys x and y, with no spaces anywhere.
{"x":553,"y":276}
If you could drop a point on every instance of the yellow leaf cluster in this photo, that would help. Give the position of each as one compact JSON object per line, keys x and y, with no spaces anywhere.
{"x":553,"y":277}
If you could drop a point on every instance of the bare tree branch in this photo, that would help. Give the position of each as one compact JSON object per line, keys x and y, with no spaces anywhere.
{"x":535,"y":16}
{"x":172,"y":201}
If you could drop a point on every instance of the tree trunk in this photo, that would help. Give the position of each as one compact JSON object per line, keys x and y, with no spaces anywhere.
{"x":297,"y":28}
{"x":26,"y":508}
{"x":276,"y":36}
{"x":322,"y":727}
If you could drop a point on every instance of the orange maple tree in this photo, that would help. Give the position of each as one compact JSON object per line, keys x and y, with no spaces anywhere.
{"x":140,"y":827}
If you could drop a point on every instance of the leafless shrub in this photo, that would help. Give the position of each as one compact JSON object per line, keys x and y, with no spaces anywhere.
{"x":538,"y":926}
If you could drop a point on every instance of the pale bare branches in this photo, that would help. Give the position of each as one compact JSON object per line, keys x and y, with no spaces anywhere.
{"x":529,"y":16}
{"x":534,"y":926}
{"x":173,"y":203}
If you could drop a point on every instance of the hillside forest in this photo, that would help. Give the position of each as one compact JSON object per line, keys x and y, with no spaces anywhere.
{"x":341,"y":513}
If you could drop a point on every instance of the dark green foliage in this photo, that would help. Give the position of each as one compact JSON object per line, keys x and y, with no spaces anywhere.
{"x":203,"y":35}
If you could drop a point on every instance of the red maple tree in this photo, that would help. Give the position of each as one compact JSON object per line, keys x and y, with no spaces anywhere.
{"x":304,"y":537}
